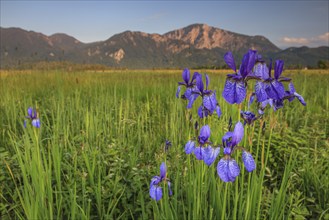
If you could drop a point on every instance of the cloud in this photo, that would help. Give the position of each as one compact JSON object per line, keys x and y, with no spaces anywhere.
{"x":324,"y":37}
{"x":294,"y":40}
{"x":319,"y":40}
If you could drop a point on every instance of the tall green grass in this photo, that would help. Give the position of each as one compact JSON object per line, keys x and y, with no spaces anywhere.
{"x":102,"y":139}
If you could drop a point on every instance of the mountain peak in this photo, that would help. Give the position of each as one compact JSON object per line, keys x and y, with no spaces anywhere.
{"x":203,"y":36}
{"x":194,"y":45}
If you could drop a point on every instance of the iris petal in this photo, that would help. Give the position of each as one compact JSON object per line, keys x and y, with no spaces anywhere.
{"x":279,"y":88}
{"x":275,"y":90}
{"x":210,"y":102}
{"x":200,"y":112}
{"x":248,"y":161}
{"x":163,"y":170}
{"x":30,"y":112}
{"x":199,"y":83}
{"x":199,"y":153}
{"x":234,"y":169}
{"x":155,"y":180}
{"x":228,"y":170}
{"x":210,"y":155}
{"x":205,"y":133}
{"x":169,"y":188}
{"x":278,"y":68}
{"x":207,"y":81}
{"x":248,"y":62}
{"x":291,"y":88}
{"x":240,"y":92}
{"x":229,"y":91}
{"x":36,"y":123}
{"x":234,"y":91}
{"x":222,"y":170}
{"x":178,"y":91}
{"x":191,"y":99}
{"x":189,"y":147}
{"x":218,"y":111}
{"x":229,"y":59}
{"x":260,"y":91}
{"x":237,"y":133}
{"x":226,"y":136}
{"x":300,"y":98}
{"x":261,"y":71}
{"x":186,"y":75}
{"x":156,"y":192}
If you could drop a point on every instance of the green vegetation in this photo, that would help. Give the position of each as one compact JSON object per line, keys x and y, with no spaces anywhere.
{"x":102,"y":139}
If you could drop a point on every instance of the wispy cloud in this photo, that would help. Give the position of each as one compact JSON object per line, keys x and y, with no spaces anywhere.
{"x":319,"y":40}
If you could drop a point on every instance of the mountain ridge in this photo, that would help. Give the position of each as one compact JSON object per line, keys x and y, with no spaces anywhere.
{"x":192,"y":46}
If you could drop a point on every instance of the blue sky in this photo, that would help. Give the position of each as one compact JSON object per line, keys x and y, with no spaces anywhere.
{"x":285,"y":23}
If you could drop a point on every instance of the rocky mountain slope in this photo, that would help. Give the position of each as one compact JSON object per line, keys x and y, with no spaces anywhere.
{"x":193,"y":46}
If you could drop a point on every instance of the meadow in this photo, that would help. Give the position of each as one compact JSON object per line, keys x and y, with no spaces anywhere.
{"x":102,"y":138}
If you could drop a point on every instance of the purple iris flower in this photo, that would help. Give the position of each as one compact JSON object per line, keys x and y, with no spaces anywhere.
{"x":248,"y":117}
{"x":235,"y":85}
{"x":227,"y":168}
{"x":155,"y":189}
{"x":273,"y":87}
{"x":33,"y":116}
{"x":207,"y":154}
{"x":209,"y":101}
{"x":278,"y":103}
{"x":190,"y":87}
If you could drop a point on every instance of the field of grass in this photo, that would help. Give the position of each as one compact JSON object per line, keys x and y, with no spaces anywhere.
{"x":102,"y":139}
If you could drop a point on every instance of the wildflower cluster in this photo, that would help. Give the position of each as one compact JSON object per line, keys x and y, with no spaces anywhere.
{"x":268,"y":90}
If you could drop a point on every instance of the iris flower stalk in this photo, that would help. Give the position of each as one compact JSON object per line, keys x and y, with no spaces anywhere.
{"x":155,"y":188}
{"x":235,"y":85}
{"x":209,"y":101}
{"x":204,"y":151}
{"x":189,"y":85}
{"x":227,"y":168}
{"x":33,"y":117}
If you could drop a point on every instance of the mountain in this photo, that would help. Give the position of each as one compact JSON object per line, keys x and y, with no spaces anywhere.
{"x":193,"y":46}
{"x":203,"y":36}
{"x":20,"y":46}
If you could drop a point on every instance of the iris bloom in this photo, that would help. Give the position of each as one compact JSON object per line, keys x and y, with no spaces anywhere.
{"x":273,"y":87}
{"x":209,"y":101}
{"x":190,"y":86}
{"x":155,"y":189}
{"x":207,"y":154}
{"x":227,"y":168}
{"x":235,"y":85}
{"x":248,"y":117}
{"x":33,"y":116}
{"x":278,"y":103}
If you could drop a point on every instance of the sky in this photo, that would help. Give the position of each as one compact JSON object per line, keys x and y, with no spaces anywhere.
{"x":285,"y":23}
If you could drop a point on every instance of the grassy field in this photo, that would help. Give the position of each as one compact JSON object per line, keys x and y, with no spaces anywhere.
{"x":102,"y":139}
